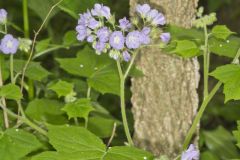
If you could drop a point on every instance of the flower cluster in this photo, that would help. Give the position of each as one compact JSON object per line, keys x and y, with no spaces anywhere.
{"x":98,"y":26}
{"x":191,"y":153}
{"x":8,"y":44}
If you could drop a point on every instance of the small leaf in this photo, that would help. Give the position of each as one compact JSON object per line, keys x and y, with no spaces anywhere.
{"x":42,"y":45}
{"x":80,"y":108}
{"x":186,"y":49}
{"x":11,"y":91}
{"x":69,"y":38}
{"x":62,"y":88}
{"x":221,"y":32}
{"x":16,"y":143}
{"x":46,"y":110}
{"x":230,"y":76}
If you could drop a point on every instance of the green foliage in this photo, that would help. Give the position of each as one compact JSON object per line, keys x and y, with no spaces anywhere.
{"x":69,"y":38}
{"x":42,"y":45}
{"x":80,"y":108}
{"x":208,"y":156}
{"x":230,"y":76}
{"x":100,"y":71}
{"x":237,"y":134}
{"x":46,"y":110}
{"x":62,"y":88}
{"x":69,"y":144}
{"x":221,"y":32}
{"x":220,"y":142}
{"x":186,"y":48}
{"x":11,"y":91}
{"x":16,"y":143}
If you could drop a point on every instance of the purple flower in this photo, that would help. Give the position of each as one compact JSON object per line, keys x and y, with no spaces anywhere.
{"x":87,"y":20}
{"x":145,"y":37}
{"x":82,"y":32}
{"x":117,"y":40}
{"x":152,"y":14}
{"x":101,"y":11}
{"x":165,"y":37}
{"x":190,"y":154}
{"x":125,"y":24}
{"x":93,"y":23}
{"x":134,"y":40}
{"x":99,"y":47}
{"x":9,"y":44}
{"x":90,"y":38}
{"x":143,"y":9}
{"x":103,"y":34}
{"x":126,"y":56}
{"x":3,"y":16}
{"x":159,"y":19}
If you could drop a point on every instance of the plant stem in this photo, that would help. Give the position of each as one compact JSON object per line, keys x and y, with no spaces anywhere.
{"x":203,"y":107}
{"x":89,"y":92}
{"x":11,"y":69}
{"x":122,"y":101}
{"x":206,"y":59}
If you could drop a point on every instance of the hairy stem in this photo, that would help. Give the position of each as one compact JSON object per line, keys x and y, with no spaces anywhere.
{"x":203,"y":107}
{"x":123,"y":106}
{"x":206,"y":61}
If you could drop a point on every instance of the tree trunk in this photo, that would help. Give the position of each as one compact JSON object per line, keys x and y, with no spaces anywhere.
{"x":165,"y":100}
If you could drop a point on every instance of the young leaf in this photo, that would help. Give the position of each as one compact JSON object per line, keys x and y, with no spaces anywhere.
{"x":62,"y":88}
{"x":16,"y":143}
{"x":100,"y":71}
{"x":11,"y":91}
{"x":230,"y":76}
{"x":80,"y":108}
{"x":221,"y":32}
{"x":46,"y":110}
{"x":186,"y":49}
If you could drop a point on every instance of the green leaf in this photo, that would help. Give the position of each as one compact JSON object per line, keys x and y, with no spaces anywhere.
{"x":70,"y":38}
{"x":127,"y":153}
{"x":220,"y":142}
{"x":48,"y":155}
{"x":80,"y":108}
{"x":62,"y":88}
{"x":42,"y":7}
{"x":76,"y":142}
{"x":46,"y":110}
{"x":186,"y":48}
{"x":237,"y":134}
{"x":42,"y":45}
{"x":11,"y":91}
{"x":16,"y":143}
{"x":230,"y":76}
{"x":208,"y":156}
{"x":221,"y":32}
{"x":34,"y":71}
{"x":100,"y":71}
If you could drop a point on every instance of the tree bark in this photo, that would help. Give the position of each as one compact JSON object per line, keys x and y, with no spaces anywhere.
{"x":165,"y":100}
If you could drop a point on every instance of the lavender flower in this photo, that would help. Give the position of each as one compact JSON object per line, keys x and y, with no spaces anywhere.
{"x":143,"y":9}
{"x":133,"y":40}
{"x":101,"y":11}
{"x":93,"y":23}
{"x":165,"y":37}
{"x":190,"y":154}
{"x":126,"y":56}
{"x":90,"y":38}
{"x":3,"y":16}
{"x":125,"y":24}
{"x":152,"y":14}
{"x":145,"y":37}
{"x":159,"y":19}
{"x":82,"y":32}
{"x":9,"y":44}
{"x":87,"y":20}
{"x":99,"y":47}
{"x":117,"y":40}
{"x":103,"y":34}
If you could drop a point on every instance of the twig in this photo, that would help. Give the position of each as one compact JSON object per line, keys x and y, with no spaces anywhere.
{"x":113,"y":134}
{"x":34,"y":42}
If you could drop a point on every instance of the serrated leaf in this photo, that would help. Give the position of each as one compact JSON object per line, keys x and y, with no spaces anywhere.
{"x":62,"y":88}
{"x":221,"y":32}
{"x":34,"y":70}
{"x":80,"y":108}
{"x":186,"y":49}
{"x":230,"y":76}
{"x":100,"y":71}
{"x":46,"y":110}
{"x":11,"y":91}
{"x":220,"y":142}
{"x":42,"y":45}
{"x":16,"y":143}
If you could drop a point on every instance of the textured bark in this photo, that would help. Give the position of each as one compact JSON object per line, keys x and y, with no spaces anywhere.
{"x":165,"y":100}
